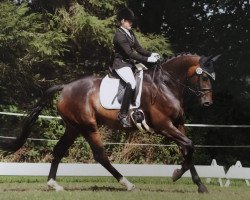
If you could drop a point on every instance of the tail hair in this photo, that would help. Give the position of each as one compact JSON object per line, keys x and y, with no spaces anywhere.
{"x":12,"y":146}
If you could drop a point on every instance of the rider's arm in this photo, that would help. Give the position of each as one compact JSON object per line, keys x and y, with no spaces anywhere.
{"x":122,"y":41}
{"x":139,"y":48}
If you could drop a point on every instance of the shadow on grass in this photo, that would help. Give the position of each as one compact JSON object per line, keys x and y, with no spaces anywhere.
{"x":115,"y":189}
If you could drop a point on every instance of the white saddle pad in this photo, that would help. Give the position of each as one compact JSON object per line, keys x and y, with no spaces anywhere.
{"x":108,"y":91}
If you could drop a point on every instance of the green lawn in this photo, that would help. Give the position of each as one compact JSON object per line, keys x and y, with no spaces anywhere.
{"x":106,"y":188}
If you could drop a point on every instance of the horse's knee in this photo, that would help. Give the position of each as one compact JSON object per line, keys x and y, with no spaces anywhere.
{"x":188,"y":147}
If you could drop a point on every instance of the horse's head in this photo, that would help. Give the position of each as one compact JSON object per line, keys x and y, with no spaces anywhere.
{"x":201,"y":76}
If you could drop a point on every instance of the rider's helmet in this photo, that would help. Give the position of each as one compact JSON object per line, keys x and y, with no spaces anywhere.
{"x":126,"y":14}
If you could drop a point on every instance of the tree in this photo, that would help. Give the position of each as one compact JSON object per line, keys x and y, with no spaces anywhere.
{"x":29,"y":42}
{"x":210,"y":28}
{"x":44,"y":44}
{"x":52,"y":42}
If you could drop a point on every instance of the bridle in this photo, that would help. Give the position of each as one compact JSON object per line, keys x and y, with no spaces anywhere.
{"x":198,"y":91}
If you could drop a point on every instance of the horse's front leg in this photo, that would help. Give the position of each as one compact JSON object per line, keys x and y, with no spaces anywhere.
{"x":195,"y":177}
{"x":185,"y":144}
{"x":187,"y":149}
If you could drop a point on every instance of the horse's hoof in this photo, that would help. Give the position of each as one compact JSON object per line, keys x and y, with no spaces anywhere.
{"x":202,"y":189}
{"x":127,"y":184}
{"x":53,"y":184}
{"x":132,"y":187}
{"x":176,"y":174}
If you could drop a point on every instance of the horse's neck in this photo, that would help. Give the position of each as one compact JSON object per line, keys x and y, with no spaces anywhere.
{"x":178,"y":67}
{"x":173,"y":74}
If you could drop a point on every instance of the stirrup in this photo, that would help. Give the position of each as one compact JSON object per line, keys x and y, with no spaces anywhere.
{"x":138,"y":118}
{"x":124,"y":120}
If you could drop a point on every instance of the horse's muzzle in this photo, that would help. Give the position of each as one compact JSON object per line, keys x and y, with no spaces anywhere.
{"x":206,"y":98}
{"x":207,"y":103}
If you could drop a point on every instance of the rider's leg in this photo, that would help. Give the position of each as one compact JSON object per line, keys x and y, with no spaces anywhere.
{"x":127,"y":75}
{"x":123,"y":114}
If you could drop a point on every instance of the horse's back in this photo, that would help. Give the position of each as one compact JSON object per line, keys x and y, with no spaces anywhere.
{"x":81,"y":86}
{"x":77,"y":98}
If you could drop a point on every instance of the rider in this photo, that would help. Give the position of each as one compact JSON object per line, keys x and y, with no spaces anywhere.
{"x":127,"y":51}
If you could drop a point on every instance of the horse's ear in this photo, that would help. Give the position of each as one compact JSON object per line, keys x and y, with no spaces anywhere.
{"x":204,"y":60}
{"x":215,"y":58}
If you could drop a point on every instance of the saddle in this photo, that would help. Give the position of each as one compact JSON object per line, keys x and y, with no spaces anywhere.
{"x":112,"y":89}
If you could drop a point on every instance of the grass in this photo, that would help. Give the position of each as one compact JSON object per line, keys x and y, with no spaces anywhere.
{"x":106,"y":188}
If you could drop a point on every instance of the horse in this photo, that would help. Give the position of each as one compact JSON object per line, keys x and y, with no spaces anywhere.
{"x":162,"y":93}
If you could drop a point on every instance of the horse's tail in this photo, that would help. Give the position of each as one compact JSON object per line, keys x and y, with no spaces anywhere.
{"x":14,"y":145}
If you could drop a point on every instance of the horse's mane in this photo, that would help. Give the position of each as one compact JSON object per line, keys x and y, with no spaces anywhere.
{"x":178,"y":55}
{"x":158,"y":78}
{"x":168,"y":59}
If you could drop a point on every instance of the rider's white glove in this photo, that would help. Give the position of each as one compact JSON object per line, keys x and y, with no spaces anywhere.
{"x":152,"y":59}
{"x":156,"y":55}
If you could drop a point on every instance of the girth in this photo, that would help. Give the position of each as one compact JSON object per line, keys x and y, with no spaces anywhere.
{"x":122,"y":85}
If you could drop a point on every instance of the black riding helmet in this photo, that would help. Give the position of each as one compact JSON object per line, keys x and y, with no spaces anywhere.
{"x":126,"y":14}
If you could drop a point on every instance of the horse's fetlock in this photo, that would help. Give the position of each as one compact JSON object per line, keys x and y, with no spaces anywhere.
{"x":196,"y":179}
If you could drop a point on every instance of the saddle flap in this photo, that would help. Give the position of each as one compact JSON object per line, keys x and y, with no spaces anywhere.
{"x":110,"y":90}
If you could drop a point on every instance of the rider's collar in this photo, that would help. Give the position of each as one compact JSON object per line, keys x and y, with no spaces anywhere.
{"x":126,"y":31}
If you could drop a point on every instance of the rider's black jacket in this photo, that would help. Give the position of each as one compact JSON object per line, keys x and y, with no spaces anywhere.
{"x":128,"y":50}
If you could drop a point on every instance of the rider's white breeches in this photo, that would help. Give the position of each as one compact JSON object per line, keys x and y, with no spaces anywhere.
{"x":127,"y":75}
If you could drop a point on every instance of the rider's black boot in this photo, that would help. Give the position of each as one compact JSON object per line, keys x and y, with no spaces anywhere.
{"x":123,"y":114}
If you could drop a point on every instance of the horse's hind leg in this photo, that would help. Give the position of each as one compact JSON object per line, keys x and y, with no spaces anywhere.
{"x":100,"y":156}
{"x":59,"y":151}
{"x":196,"y":179}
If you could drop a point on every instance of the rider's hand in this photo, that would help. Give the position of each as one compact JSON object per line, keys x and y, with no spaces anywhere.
{"x":156,"y":55}
{"x":152,"y":59}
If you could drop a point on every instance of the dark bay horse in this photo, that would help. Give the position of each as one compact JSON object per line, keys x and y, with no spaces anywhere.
{"x":162,"y":103}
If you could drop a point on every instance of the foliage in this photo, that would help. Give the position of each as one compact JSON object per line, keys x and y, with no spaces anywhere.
{"x":40,"y":148}
{"x":44,"y":44}
{"x":52,"y":42}
{"x":47,"y":43}
{"x":30,"y":44}
{"x":210,"y":28}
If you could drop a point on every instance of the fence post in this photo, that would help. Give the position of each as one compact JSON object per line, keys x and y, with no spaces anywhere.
{"x":208,"y":180}
{"x":238,"y":172}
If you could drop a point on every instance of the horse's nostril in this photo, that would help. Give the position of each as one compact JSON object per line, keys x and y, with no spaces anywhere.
{"x":206,"y":104}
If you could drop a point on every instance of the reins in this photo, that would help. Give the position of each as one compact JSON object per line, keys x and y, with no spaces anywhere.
{"x":197,"y":92}
{"x":153,"y":96}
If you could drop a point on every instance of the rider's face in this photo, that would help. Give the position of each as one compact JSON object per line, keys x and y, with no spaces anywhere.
{"x":127,"y":24}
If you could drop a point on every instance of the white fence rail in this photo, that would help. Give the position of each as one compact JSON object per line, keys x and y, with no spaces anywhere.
{"x":69,"y":169}
{"x":190,"y":125}
{"x":162,"y":145}
{"x":73,"y":169}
